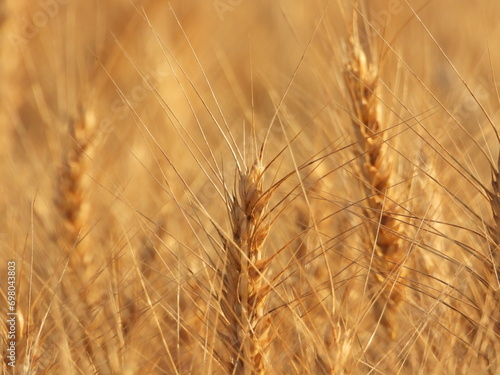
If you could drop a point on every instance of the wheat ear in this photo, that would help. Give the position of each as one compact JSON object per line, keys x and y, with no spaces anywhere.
{"x":72,"y":186}
{"x":244,"y":290}
{"x":362,"y":80}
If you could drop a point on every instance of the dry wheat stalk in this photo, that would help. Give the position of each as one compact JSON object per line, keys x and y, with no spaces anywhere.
{"x":244,"y":294}
{"x":494,"y":197}
{"x":361,"y":79}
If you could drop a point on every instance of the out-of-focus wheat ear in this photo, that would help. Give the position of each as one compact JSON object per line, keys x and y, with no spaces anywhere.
{"x":334,"y":353}
{"x":72,"y":199}
{"x":246,"y":324}
{"x":12,"y":94}
{"x":361,"y":78}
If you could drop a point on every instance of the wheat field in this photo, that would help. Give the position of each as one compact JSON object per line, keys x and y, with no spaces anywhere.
{"x":250,"y":187}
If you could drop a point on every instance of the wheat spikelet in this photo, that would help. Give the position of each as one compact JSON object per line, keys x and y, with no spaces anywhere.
{"x":361,"y":79}
{"x":244,"y":294}
{"x":333,"y":356}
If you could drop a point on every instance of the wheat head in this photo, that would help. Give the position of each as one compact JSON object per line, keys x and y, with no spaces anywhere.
{"x":362,"y":78}
{"x":245,"y":291}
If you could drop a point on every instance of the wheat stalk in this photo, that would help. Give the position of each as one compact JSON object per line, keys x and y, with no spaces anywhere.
{"x":494,"y":197}
{"x":494,"y":230}
{"x":245,"y":291}
{"x":362,"y":79}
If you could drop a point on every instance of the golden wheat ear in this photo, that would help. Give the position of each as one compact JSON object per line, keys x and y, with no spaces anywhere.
{"x":72,"y":187}
{"x":72,"y":193}
{"x":386,"y":253}
{"x":245,"y":290}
